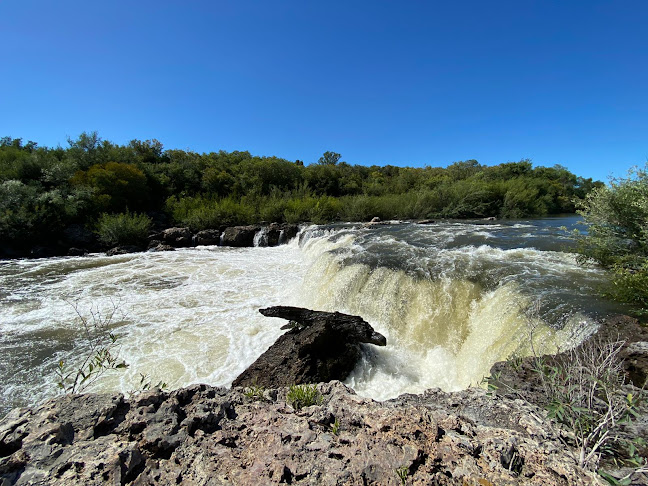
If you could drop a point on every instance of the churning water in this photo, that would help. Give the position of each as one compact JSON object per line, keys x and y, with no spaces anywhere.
{"x":452,"y":298}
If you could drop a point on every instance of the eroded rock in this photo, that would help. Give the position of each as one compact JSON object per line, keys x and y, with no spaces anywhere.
{"x":320,"y":346}
{"x":240,"y":236}
{"x":208,"y":435}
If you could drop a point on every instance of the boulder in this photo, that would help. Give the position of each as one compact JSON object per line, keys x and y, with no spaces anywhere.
{"x":208,"y":435}
{"x":77,"y":252}
{"x":273,"y":234}
{"x":207,"y":237}
{"x":160,"y":247}
{"x":178,"y":237}
{"x":320,"y":346}
{"x":289,"y":232}
{"x":122,"y":250}
{"x":239,"y":235}
{"x":375,"y":221}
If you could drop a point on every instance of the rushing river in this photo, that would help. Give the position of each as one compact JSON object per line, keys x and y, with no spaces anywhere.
{"x":451,"y":298}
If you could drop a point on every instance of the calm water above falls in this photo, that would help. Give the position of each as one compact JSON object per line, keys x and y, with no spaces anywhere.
{"x":452,"y":298}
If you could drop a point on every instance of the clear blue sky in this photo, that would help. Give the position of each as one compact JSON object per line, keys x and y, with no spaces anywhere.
{"x":385,"y":82}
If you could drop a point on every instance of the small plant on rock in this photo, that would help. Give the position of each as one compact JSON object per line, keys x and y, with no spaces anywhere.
{"x":254,"y":392}
{"x":300,"y":396}
{"x":335,"y":428}
{"x":402,"y":473}
{"x":102,"y":356}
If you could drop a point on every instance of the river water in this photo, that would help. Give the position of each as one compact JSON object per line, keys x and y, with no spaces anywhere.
{"x":452,"y":298}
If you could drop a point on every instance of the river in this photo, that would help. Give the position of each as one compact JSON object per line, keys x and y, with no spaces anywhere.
{"x":452,"y":298}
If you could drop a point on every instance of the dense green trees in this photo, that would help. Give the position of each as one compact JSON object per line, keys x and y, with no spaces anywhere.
{"x":617,"y":235}
{"x":42,"y":190}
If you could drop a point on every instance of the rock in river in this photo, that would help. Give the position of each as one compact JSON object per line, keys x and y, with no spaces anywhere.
{"x":320,"y":346}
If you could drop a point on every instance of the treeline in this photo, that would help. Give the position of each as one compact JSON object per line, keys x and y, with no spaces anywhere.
{"x":43,"y":190}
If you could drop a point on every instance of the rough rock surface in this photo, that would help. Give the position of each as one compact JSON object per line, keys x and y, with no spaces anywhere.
{"x":321,"y":346}
{"x":205,"y":435}
{"x":207,"y":237}
{"x":178,"y":237}
{"x":239,"y":235}
{"x":122,"y":250}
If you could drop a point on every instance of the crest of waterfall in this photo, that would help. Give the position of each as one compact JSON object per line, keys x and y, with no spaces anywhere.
{"x":452,"y":299}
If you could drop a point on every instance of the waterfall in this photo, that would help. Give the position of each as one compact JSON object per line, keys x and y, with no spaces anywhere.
{"x":451,"y":298}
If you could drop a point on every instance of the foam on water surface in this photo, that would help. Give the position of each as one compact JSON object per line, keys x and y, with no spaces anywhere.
{"x":451,"y":299}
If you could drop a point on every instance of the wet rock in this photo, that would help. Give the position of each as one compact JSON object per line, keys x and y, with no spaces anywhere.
{"x":208,"y":435}
{"x":122,"y":250}
{"x":320,"y":346}
{"x":426,"y":221}
{"x":239,"y":236}
{"x":178,"y":237}
{"x":160,"y":247}
{"x":289,"y":231}
{"x":208,"y":237}
{"x":375,"y":222}
{"x":273,"y":234}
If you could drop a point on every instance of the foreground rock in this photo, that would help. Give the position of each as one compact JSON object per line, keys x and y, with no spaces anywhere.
{"x":206,"y":435}
{"x":320,"y":346}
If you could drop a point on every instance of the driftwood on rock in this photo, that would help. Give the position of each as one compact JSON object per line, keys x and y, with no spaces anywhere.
{"x":320,"y":346}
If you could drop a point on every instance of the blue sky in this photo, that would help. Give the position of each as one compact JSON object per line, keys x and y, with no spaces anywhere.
{"x":385,"y":82}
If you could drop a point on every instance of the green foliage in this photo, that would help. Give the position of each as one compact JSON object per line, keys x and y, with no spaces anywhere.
{"x":617,"y":235}
{"x":254,"y":392}
{"x":335,"y":428}
{"x":123,"y":229}
{"x":329,"y":158}
{"x":146,"y":384}
{"x":300,"y":396}
{"x":102,"y":355}
{"x":116,"y":186}
{"x":402,"y":473}
{"x":42,"y":190}
{"x":583,"y":390}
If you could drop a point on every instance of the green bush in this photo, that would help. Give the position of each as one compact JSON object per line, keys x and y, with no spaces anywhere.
{"x":617,"y":235}
{"x":123,"y":229}
{"x":300,"y":396}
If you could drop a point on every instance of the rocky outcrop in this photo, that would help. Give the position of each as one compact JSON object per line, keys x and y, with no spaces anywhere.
{"x":239,"y":235}
{"x":178,"y":237}
{"x":207,"y":435}
{"x":123,"y":250}
{"x":320,"y":346}
{"x":207,"y":237}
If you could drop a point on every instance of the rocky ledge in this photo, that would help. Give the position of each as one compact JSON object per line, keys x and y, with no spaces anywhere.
{"x":218,"y":436}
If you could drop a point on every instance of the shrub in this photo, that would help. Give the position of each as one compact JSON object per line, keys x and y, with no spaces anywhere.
{"x":617,"y":235}
{"x":123,"y":229}
{"x":300,"y":396}
{"x":102,"y":356}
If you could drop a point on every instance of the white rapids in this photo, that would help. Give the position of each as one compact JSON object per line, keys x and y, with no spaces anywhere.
{"x":448,"y":308}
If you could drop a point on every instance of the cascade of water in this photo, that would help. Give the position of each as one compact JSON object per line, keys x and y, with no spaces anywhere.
{"x":452,"y":299}
{"x":261,"y":237}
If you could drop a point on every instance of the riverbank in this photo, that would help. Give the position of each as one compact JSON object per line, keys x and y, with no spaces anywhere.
{"x":78,"y":241}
